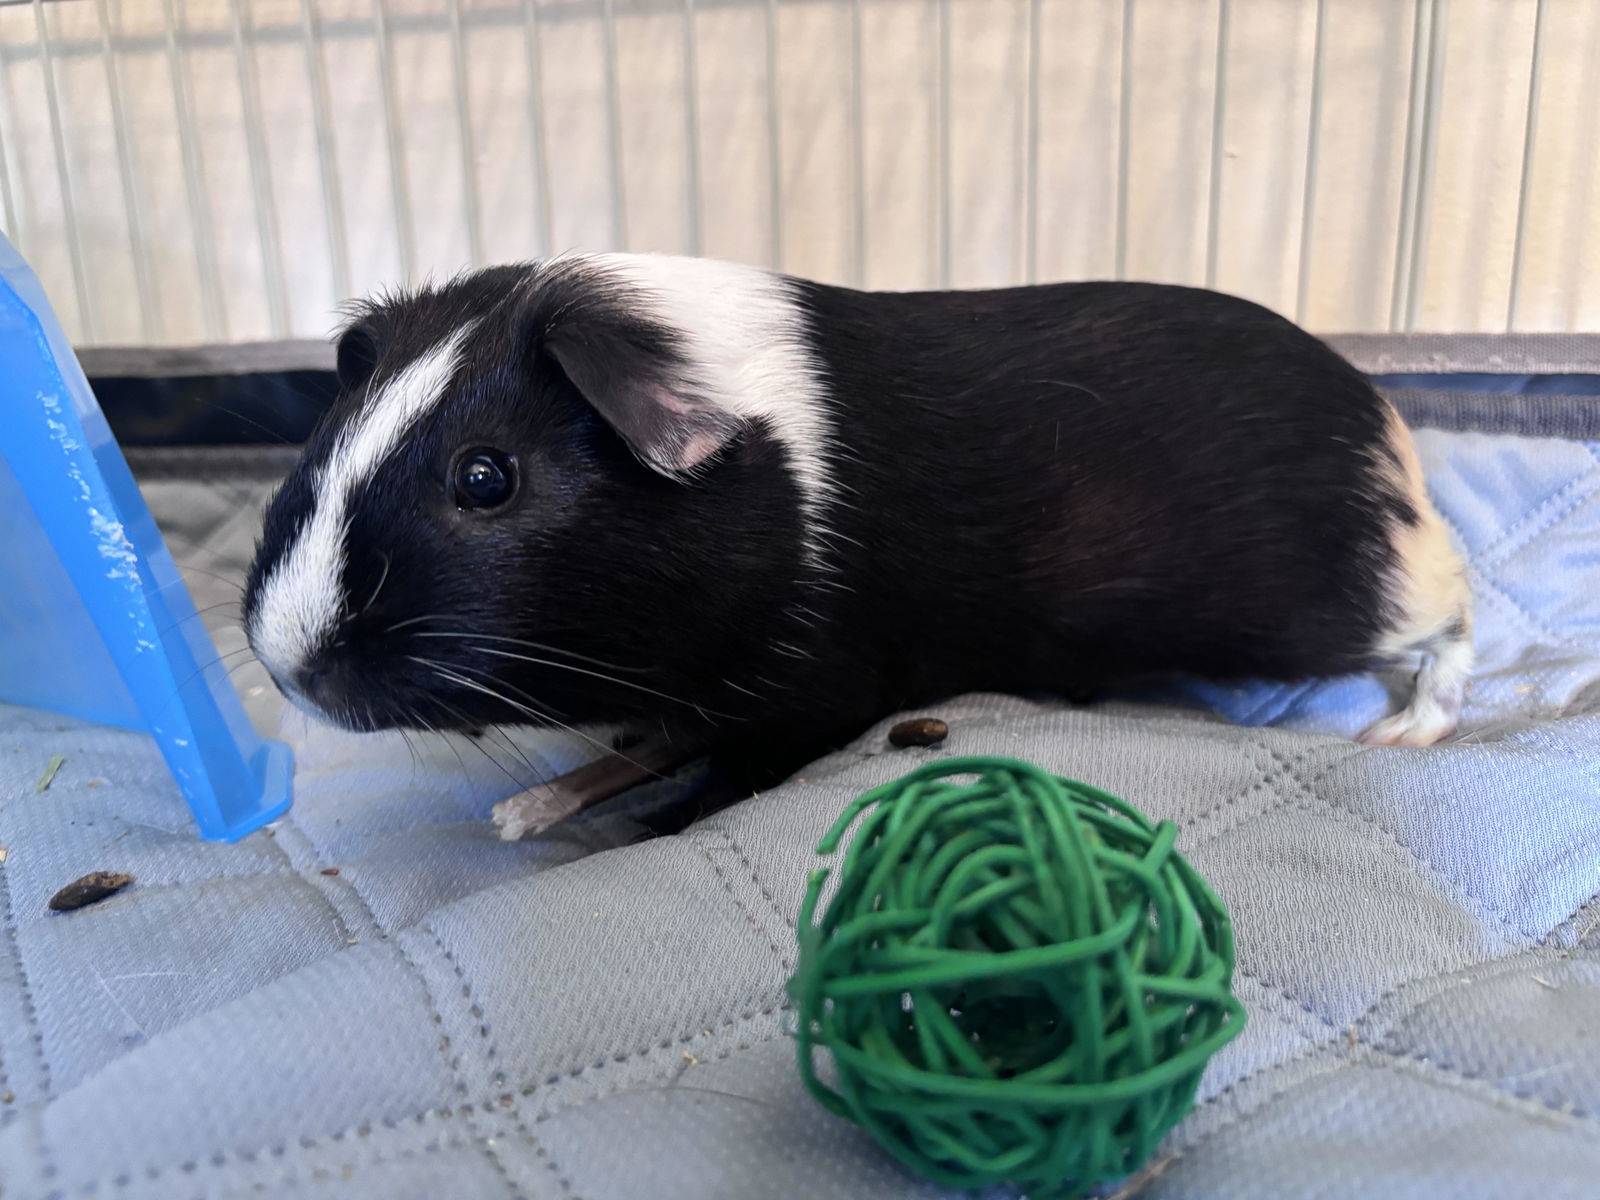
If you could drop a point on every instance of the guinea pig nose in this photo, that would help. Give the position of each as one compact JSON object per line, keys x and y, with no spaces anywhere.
{"x":313,"y":683}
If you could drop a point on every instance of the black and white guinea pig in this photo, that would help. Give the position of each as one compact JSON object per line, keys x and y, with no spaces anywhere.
{"x":736,"y":508}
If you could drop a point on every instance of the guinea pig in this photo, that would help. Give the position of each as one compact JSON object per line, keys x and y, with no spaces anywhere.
{"x":749,"y":514}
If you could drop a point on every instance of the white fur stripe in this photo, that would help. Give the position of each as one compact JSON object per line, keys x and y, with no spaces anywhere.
{"x":751,"y":353}
{"x":302,"y":599}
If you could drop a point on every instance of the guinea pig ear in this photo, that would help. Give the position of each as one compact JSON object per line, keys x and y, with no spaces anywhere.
{"x":640,"y":391}
{"x":356,"y":356}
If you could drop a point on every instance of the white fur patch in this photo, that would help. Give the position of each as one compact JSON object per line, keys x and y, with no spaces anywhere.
{"x":302,"y":599}
{"x":1435,"y":705}
{"x":748,"y":343}
{"x":1433,"y":604}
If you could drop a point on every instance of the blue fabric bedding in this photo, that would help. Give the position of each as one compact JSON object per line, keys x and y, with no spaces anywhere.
{"x":589,"y":1016}
{"x":1505,"y":385}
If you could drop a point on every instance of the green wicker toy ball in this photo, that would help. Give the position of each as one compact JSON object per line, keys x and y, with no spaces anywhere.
{"x":1018,"y":978}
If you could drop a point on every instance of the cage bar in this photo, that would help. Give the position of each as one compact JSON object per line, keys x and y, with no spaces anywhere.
{"x":858,"y":149}
{"x":58,"y":140}
{"x":541,"y":166}
{"x":1030,"y":151}
{"x":469,"y":149}
{"x":942,"y":142}
{"x":399,"y":191}
{"x":1219,"y":102}
{"x":1530,"y":135}
{"x":774,"y":137}
{"x":1308,"y":200}
{"x":260,"y":173}
{"x":1119,"y":268}
{"x":327,"y":157}
{"x":1426,"y":153}
{"x":691,"y":130}
{"x":619,"y":210}
{"x":1426,"y":79}
{"x":149,"y":314}
{"x":43,"y":134}
{"x":194,"y":180}
{"x":8,"y":203}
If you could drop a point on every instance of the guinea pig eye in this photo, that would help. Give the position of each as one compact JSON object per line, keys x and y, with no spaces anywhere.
{"x":485,"y":479}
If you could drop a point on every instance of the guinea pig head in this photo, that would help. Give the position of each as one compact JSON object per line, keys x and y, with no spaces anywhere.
{"x":530,"y":504}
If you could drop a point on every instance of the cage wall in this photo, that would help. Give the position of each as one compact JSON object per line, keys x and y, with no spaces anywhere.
{"x":187,"y":171}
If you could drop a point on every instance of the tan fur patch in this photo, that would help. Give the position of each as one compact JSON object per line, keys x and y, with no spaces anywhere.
{"x":1431,"y":591}
{"x":1434,"y":604}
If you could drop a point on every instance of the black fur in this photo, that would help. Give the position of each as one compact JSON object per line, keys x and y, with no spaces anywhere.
{"x":1042,"y":489}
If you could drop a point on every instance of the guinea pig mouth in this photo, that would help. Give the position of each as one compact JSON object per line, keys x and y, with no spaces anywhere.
{"x":350,"y":691}
{"x":337,"y":700}
{"x":335,"y":714}
{"x":351,"y":718}
{"x":323,"y":697}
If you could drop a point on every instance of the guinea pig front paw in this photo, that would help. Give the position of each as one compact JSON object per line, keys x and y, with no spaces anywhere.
{"x":1416,"y":727}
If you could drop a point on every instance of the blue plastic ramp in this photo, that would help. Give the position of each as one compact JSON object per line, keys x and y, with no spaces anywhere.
{"x":95,"y":620}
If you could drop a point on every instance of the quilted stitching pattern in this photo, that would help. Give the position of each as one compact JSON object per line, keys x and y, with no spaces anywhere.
{"x":448,"y":1016}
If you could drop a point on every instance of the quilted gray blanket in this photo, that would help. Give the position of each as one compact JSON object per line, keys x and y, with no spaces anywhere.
{"x":377,"y":999}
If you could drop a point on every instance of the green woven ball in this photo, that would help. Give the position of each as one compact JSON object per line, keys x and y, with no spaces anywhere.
{"x":1018,"y":979}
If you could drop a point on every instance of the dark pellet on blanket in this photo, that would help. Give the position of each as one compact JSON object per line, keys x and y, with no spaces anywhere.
{"x":91,"y":889}
{"x":330,"y":870}
{"x":920,"y":731}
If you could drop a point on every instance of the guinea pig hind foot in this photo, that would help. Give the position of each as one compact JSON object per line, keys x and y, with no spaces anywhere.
{"x":1435,"y":705}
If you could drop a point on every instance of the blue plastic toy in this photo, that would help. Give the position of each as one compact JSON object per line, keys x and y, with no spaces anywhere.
{"x":95,"y":620}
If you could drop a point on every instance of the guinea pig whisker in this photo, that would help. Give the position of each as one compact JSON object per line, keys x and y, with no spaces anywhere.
{"x":274,"y":434}
{"x":193,"y":549}
{"x":535,"y":774}
{"x":230,"y":580}
{"x":199,"y":612}
{"x":201,"y":670}
{"x":412,"y":714}
{"x":466,"y":773}
{"x":527,"y":709}
{"x":382,"y":579}
{"x":477,"y":745}
{"x":540,"y":647}
{"x":499,"y":766}
{"x":450,"y":676}
{"x":453,"y":678}
{"x":533,"y":707}
{"x":416,"y":761}
{"x":532,"y":710}
{"x":399,"y":625}
{"x":281,"y":388}
{"x":638,"y":687}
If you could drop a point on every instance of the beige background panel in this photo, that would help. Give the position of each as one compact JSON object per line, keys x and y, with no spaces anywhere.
{"x":183,"y":171}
